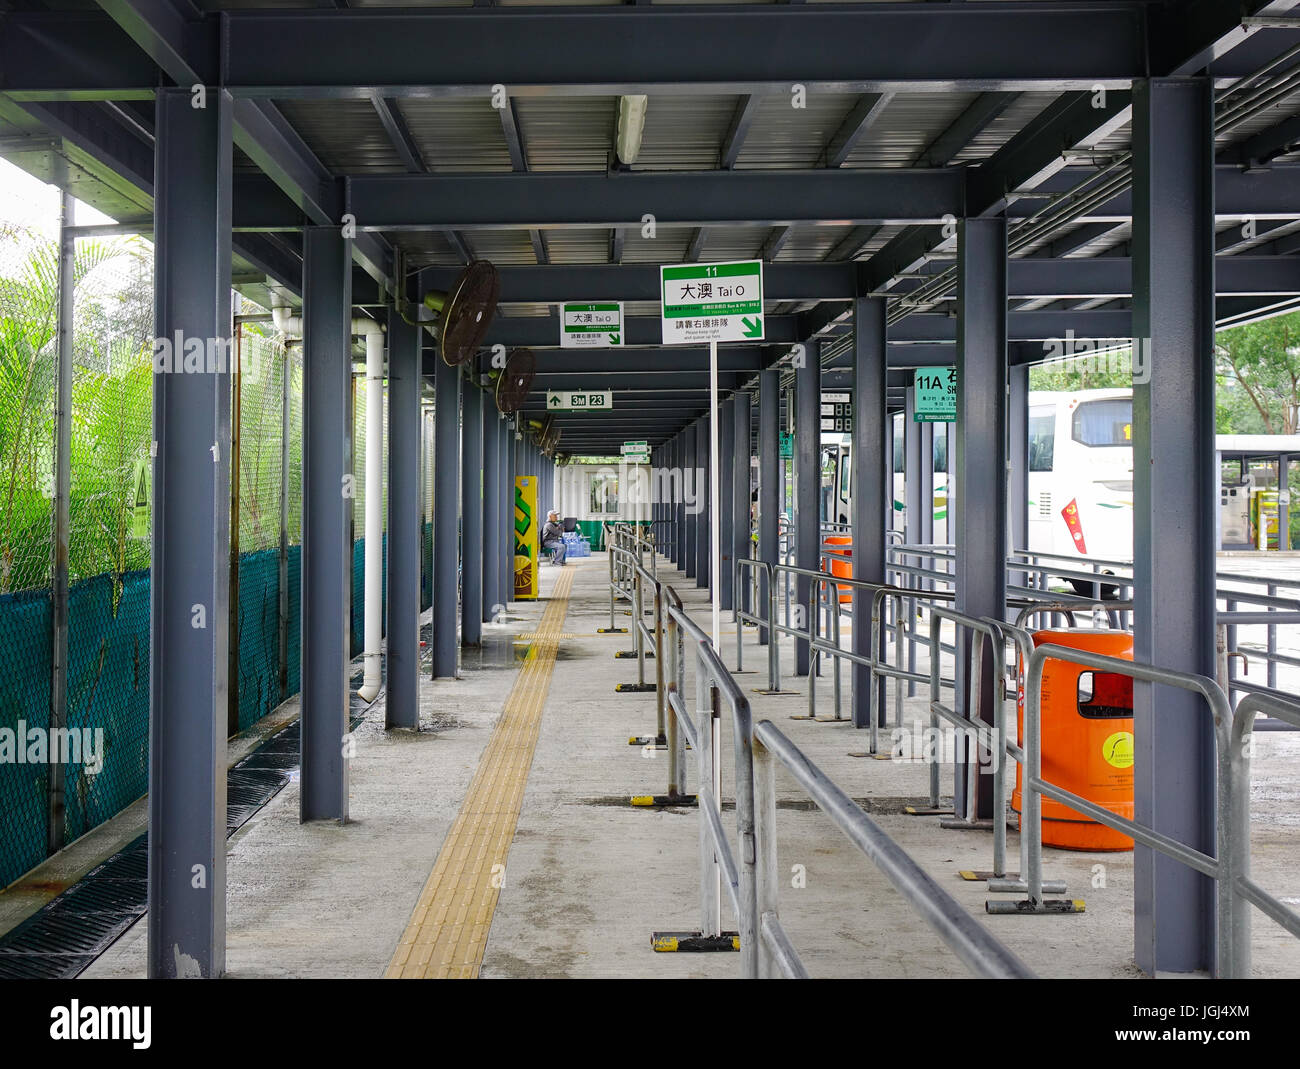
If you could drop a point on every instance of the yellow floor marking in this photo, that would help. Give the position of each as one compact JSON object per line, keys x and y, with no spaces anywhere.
{"x":448,"y":930}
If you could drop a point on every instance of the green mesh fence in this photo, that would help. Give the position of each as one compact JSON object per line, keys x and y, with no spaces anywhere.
{"x":110,"y":508}
{"x":259,"y":635}
{"x":24,"y":703}
{"x":108,"y":696}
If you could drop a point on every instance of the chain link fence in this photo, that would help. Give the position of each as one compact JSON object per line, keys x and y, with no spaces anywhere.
{"x":109,"y":445}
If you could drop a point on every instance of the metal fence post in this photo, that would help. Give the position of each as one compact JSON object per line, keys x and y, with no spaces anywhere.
{"x":62,"y":523}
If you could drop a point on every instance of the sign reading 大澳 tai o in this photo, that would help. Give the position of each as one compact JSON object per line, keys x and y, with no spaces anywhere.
{"x":525,"y":536}
{"x":712,"y":302}
{"x":936,"y":395}
{"x":579,"y":400}
{"x":591,"y":326}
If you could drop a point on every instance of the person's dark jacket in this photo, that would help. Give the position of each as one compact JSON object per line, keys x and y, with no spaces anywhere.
{"x":552,"y":532}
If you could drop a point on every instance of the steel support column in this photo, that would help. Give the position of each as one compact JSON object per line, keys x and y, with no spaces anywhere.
{"x":327,"y":522}
{"x":1174,"y":509}
{"x":925,"y":482}
{"x":705,"y":516}
{"x":506,"y":554}
{"x":692,"y":477}
{"x":807,"y":488}
{"x":188,"y":629}
{"x":446,"y":520}
{"x":915,"y":463}
{"x":727,"y":515}
{"x":980,"y":527}
{"x":405,"y":525}
{"x":471,"y":610}
{"x":491,"y":512}
{"x":769,"y":483}
{"x":739,"y":505}
{"x":1017,"y":465}
{"x":912,"y":465}
{"x":873,"y":490}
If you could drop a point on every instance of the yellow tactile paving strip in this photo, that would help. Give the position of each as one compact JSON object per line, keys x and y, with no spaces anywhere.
{"x":448,"y":931}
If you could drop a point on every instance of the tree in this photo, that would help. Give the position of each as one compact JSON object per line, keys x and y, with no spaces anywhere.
{"x":1263,"y":361}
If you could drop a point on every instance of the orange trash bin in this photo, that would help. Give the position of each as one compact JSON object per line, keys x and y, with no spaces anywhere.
{"x":840,"y":563}
{"x":1087,"y":736}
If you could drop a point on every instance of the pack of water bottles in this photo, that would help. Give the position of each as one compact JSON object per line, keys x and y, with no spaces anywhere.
{"x":575,"y":545}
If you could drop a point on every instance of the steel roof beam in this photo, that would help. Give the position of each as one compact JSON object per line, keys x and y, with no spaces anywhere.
{"x":398,"y":133}
{"x":613,"y":51}
{"x":397,"y":202}
{"x":741,"y":120}
{"x":181,"y":42}
{"x":864,"y":115}
{"x":640,"y":282}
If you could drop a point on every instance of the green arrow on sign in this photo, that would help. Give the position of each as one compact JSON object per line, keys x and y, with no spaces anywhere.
{"x":613,"y":339}
{"x":555,"y":400}
{"x":753,"y":328}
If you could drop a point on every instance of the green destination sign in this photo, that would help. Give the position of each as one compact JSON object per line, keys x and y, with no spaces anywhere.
{"x":936,"y":395}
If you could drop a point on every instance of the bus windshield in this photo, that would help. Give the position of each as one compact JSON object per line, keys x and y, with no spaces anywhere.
{"x":1106,"y":422}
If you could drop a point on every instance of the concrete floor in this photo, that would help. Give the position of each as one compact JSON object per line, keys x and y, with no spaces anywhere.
{"x":589,"y":877}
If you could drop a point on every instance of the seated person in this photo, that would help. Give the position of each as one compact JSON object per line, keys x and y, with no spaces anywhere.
{"x":553,"y":536}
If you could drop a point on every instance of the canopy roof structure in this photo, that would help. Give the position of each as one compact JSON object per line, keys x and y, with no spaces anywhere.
{"x":839,"y":143}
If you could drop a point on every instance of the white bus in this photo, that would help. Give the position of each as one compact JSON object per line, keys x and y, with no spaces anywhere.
{"x":1080,"y":475}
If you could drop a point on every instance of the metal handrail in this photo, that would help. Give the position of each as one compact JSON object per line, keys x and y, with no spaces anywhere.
{"x":752,"y":883}
{"x":972,"y":943}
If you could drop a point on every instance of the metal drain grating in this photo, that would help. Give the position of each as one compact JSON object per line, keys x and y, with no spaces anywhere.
{"x":63,"y":937}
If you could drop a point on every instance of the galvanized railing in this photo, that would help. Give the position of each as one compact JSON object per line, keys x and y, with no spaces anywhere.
{"x":991,"y":744}
{"x":1230,"y":868}
{"x":752,"y":882}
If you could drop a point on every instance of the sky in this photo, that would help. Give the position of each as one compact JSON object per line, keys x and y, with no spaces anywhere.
{"x":29,"y":201}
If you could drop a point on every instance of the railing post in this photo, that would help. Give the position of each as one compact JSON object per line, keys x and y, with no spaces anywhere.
{"x":768,"y":890}
{"x":660,"y":732}
{"x":706,"y":733}
{"x":774,"y":637}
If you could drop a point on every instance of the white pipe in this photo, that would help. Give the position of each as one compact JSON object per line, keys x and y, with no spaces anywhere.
{"x":373,"y":333}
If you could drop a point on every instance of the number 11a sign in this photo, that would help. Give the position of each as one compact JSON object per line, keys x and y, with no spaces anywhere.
{"x":936,"y":395}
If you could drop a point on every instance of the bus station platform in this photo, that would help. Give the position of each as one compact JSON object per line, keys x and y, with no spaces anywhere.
{"x":516,"y":796}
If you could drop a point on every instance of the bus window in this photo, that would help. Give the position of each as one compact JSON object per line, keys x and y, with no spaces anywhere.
{"x":846,"y":472}
{"x":941,"y":447}
{"x":1107,"y":422}
{"x":899,"y":450}
{"x":1042,"y":441}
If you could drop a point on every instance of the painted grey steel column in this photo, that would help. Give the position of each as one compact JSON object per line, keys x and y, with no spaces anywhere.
{"x":1173,"y":515}
{"x":507,"y":554}
{"x":739,"y":503}
{"x":980,"y":527}
{"x":677,"y":509}
{"x":471,"y":613}
{"x":692,"y":477}
{"x":327,"y":522}
{"x":1017,"y":466}
{"x":873,"y":489}
{"x":915,"y":462}
{"x":912,"y":465}
{"x":769,"y":482}
{"x":726,"y":475}
{"x":405,"y":525}
{"x":189,"y":589}
{"x":807,"y":486}
{"x":446,"y":520}
{"x":491,"y":511}
{"x":704,"y":516}
{"x":925,"y":525}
